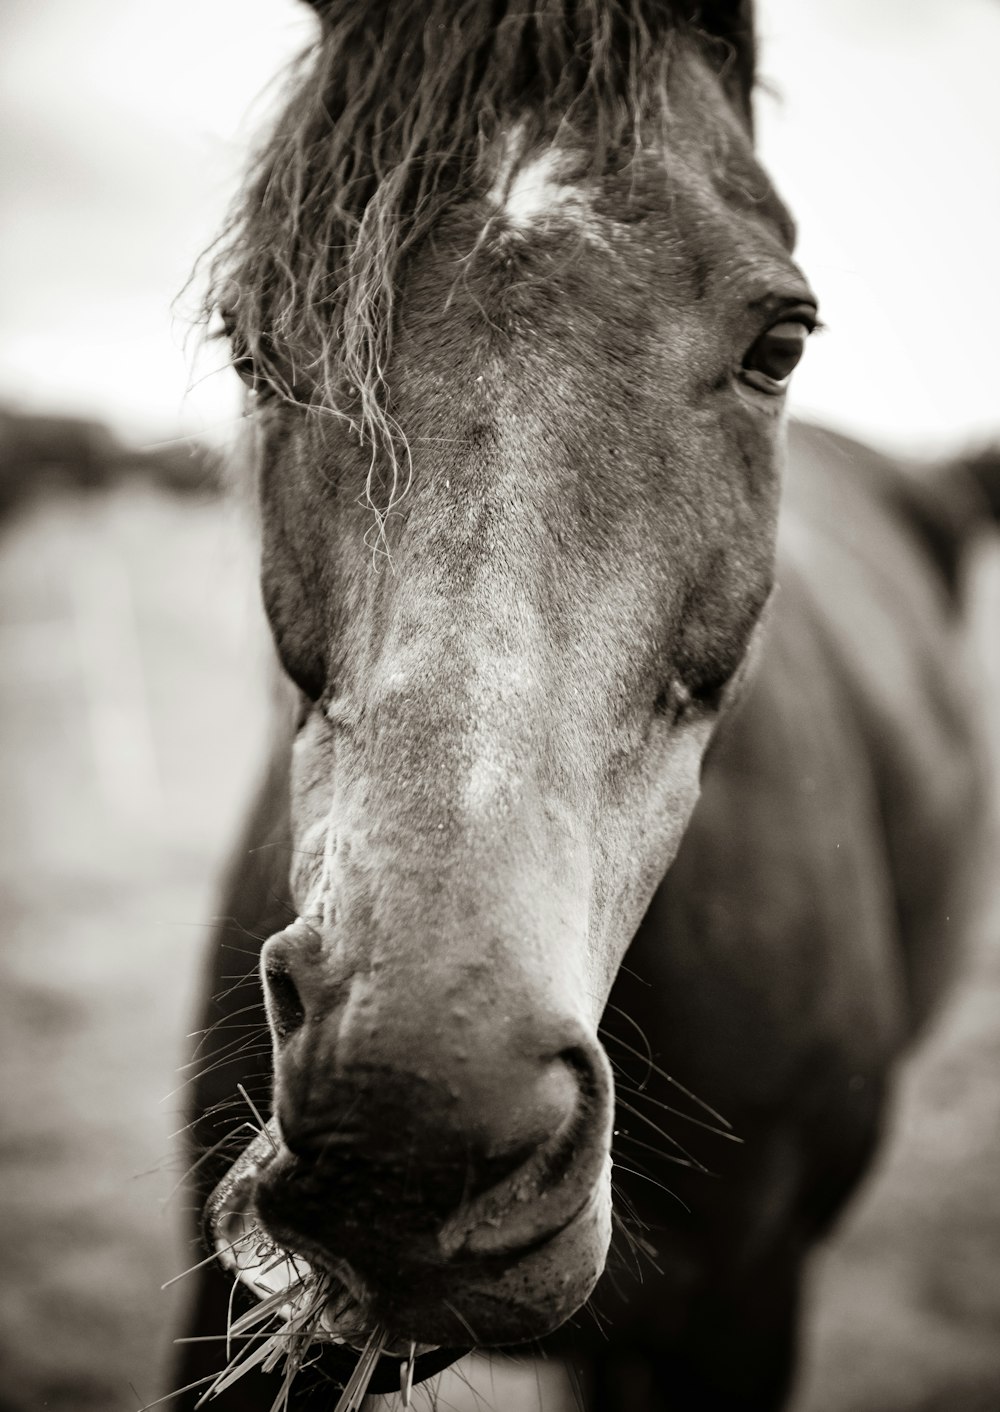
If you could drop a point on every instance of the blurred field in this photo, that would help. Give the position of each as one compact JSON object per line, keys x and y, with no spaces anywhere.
{"x":132,"y":708}
{"x":132,"y":720}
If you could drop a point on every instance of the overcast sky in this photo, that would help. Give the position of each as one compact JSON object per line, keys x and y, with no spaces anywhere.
{"x":126,"y":123}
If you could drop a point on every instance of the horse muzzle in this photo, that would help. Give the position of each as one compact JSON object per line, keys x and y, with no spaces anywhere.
{"x":473,"y":1211}
{"x":439,"y":1154}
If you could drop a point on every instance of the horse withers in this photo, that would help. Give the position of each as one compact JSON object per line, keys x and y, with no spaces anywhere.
{"x":517,"y":310}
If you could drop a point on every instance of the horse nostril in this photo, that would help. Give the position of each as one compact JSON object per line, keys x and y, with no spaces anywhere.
{"x":284,"y":1004}
{"x":580,"y":1063}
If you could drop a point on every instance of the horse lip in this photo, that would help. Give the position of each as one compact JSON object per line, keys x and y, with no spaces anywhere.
{"x":520,"y":1294}
{"x":232,"y":1198}
{"x":232,"y":1219}
{"x":492,"y":1230}
{"x":470,"y":1236}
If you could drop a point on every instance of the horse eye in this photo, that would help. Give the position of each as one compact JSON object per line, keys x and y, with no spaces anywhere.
{"x":680,"y":699}
{"x":244,"y":366}
{"x":771,"y":360}
{"x":240,"y":357}
{"x":243,"y":362}
{"x":303,"y":710}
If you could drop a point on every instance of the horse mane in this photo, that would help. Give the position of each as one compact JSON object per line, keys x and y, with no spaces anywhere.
{"x":388,"y":118}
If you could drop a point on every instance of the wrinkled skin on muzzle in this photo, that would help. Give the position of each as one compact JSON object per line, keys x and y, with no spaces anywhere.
{"x":504,"y":713}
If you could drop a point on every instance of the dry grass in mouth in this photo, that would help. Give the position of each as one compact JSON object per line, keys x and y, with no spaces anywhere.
{"x":301,"y":1310}
{"x":289,"y":1328}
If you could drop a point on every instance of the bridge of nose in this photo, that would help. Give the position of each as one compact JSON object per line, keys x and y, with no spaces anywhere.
{"x":451,"y":859}
{"x":476,"y":672}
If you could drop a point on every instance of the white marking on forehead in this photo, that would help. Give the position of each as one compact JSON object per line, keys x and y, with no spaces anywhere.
{"x":536,"y":191}
{"x":528,"y":193}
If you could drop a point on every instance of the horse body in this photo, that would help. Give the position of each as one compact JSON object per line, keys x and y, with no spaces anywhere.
{"x":780,"y":981}
{"x":558,"y":725}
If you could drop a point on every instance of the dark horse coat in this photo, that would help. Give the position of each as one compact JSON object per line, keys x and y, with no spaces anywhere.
{"x":792,"y":950}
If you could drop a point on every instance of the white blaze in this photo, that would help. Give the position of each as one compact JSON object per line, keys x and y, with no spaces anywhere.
{"x":529,"y":193}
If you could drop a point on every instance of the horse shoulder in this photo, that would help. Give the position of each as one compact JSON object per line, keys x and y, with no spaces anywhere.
{"x":878,"y":548}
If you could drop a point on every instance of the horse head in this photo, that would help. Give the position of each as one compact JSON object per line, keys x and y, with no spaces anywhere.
{"x":517,"y":309}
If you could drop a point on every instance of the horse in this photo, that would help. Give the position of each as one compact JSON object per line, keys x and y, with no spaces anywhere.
{"x":627,"y":811}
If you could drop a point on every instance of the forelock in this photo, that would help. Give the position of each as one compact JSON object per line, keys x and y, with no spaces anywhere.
{"x":391,"y":119}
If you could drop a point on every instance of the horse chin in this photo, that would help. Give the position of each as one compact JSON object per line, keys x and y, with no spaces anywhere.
{"x":437,"y":1315}
{"x":519,"y":1296}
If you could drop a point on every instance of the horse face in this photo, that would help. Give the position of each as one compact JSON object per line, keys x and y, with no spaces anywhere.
{"x":508,"y":687}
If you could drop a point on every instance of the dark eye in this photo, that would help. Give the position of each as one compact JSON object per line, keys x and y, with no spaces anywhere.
{"x":240,"y":354}
{"x":771,"y":360}
{"x":303,"y":710}
{"x":680,"y":700}
{"x":243,"y":364}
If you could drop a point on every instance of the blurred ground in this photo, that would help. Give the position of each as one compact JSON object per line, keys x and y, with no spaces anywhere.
{"x":133,"y":715}
{"x":132,"y":720}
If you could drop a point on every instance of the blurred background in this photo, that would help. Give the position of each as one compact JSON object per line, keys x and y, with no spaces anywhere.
{"x":132,"y":658}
